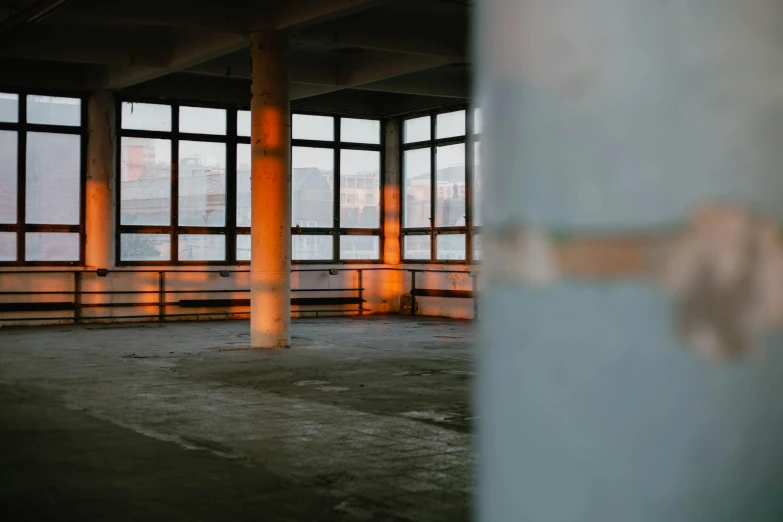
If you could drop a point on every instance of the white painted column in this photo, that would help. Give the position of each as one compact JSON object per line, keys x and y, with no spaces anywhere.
{"x":630,"y":353}
{"x":99,"y":190}
{"x":270,"y":265}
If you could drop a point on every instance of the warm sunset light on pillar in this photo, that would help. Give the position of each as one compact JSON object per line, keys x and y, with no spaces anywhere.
{"x":391,"y":198}
{"x":99,"y":211}
{"x":270,"y":187}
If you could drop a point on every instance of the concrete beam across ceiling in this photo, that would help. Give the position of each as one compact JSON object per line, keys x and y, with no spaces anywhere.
{"x":367,"y":70}
{"x":192,"y":45}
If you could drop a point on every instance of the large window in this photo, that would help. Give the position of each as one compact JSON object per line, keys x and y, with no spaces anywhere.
{"x":185,"y":185}
{"x":336,"y":188}
{"x":42,"y":148}
{"x":175,"y":164}
{"x":440,"y":181}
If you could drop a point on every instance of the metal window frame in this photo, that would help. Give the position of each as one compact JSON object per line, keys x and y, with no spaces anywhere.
{"x":22,"y":128}
{"x":231,"y":230}
{"x":468,"y":230}
{"x":174,"y":229}
{"x":336,"y":231}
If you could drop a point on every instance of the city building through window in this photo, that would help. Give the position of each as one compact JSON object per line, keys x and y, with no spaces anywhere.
{"x":185,"y":185}
{"x":441,"y":185}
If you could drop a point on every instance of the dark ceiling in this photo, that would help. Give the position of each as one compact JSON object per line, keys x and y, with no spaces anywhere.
{"x":369,"y":57}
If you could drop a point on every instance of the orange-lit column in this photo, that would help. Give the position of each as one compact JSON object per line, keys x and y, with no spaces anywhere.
{"x":391,"y":194}
{"x":99,"y":190}
{"x":392,"y":287}
{"x":270,"y":187}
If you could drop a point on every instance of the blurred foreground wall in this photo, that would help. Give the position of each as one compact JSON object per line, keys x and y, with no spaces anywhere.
{"x":631,"y":364}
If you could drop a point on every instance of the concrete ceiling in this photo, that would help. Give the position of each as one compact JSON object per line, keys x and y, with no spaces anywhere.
{"x":371,"y":57}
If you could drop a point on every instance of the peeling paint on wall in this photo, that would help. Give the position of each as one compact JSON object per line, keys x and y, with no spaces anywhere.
{"x":725,"y":269}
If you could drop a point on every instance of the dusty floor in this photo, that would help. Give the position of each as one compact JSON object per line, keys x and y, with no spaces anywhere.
{"x":362,"y":419}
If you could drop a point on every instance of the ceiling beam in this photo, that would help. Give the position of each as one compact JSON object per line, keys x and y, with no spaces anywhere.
{"x":444,"y":86}
{"x":236,"y":91}
{"x":216,"y":15}
{"x":373,"y":67}
{"x":186,"y":52}
{"x":44,"y":75}
{"x":293,"y":14}
{"x":209,"y":15}
{"x":328,"y":76}
{"x":29,"y":11}
{"x":303,"y":68}
{"x":118,"y":46}
{"x":399,"y":40}
{"x":199,"y":46}
{"x":233,"y":90}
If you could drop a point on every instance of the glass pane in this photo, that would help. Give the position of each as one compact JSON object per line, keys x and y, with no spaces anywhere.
{"x":308,"y":127}
{"x":145,"y":247}
{"x":202,"y":184}
{"x":53,"y":190}
{"x":360,"y":247}
{"x":145,"y":181}
{"x":450,"y":124}
{"x":313,"y":186}
{"x":8,"y":176}
{"x":243,"y":123}
{"x":201,"y":247}
{"x":7,"y":246}
{"x":9,"y":107}
{"x":243,"y":185}
{"x":54,"y":111}
{"x":243,"y":247}
{"x":312,"y":248}
{"x":201,"y":120}
{"x":360,"y":131}
{"x":416,"y":129}
{"x":477,"y":183}
{"x":417,"y":188}
{"x":51,"y":246}
{"x":451,"y":247}
{"x":450,"y":180}
{"x":146,"y":116}
{"x":360,"y":189}
{"x":478,"y":250}
{"x":477,"y":120}
{"x":417,"y":247}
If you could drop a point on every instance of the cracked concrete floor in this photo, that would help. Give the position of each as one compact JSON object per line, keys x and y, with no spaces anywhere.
{"x":362,"y":419}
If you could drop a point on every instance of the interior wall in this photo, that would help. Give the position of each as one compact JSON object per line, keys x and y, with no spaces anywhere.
{"x":384,"y":287}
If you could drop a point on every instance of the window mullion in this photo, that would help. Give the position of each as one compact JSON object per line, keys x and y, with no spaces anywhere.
{"x":337,"y":208}
{"x":174,"y":207}
{"x":231,"y":186}
{"x":433,"y":189}
{"x":21,"y":177}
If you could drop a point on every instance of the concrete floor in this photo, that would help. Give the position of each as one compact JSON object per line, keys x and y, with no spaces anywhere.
{"x":363,"y":419}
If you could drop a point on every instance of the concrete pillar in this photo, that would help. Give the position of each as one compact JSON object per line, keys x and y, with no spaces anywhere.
{"x":393,"y":287}
{"x":270,"y":265}
{"x":99,"y":190}
{"x":631,"y":362}
{"x":391,"y":194}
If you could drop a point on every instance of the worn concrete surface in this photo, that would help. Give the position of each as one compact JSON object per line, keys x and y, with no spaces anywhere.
{"x":362,"y":419}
